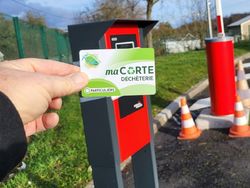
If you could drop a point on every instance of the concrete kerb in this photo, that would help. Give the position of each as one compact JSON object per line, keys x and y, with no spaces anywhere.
{"x":243,"y":57}
{"x":161,"y":118}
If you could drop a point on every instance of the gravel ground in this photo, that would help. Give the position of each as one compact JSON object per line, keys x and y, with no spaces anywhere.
{"x":213,"y":160}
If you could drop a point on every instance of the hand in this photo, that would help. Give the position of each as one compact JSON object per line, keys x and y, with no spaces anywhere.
{"x":35,"y":85}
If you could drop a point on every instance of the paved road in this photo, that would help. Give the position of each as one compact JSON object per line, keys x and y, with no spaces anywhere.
{"x":213,"y":160}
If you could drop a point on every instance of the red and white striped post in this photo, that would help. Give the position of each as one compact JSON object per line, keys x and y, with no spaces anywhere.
{"x":221,"y":72}
{"x":219,"y":17}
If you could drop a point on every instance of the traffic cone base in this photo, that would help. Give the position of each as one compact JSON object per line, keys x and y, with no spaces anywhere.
{"x":189,"y":136}
{"x":188,"y":129}
{"x":238,"y":131}
{"x":240,"y":127}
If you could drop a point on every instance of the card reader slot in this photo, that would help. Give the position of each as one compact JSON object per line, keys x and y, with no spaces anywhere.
{"x":129,"y":105}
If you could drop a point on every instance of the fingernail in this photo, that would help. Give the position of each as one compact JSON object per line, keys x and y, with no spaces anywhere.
{"x":79,"y":78}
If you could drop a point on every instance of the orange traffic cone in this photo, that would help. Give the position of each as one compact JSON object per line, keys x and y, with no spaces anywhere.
{"x":188,"y":129}
{"x":242,"y":85}
{"x":240,"y":127}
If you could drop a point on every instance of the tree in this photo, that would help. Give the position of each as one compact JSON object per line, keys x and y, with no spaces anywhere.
{"x":163,"y":32}
{"x":194,"y":15}
{"x":7,"y":38}
{"x":34,"y":19}
{"x":150,"y":4}
{"x":109,"y":9}
{"x":134,"y":9}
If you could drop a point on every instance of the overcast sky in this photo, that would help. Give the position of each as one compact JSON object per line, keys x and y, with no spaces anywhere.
{"x":60,"y":13}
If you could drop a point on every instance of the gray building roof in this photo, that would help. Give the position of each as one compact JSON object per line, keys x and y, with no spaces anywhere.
{"x":239,"y":22}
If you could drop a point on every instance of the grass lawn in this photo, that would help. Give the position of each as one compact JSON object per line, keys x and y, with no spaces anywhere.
{"x":58,"y":157}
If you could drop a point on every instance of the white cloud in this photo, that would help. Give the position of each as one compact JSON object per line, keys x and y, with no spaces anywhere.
{"x":20,"y":14}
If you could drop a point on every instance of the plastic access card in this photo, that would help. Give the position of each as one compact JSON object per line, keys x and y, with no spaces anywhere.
{"x":118,"y":72}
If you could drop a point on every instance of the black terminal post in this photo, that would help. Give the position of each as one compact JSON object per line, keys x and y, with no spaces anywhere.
{"x":114,"y":129}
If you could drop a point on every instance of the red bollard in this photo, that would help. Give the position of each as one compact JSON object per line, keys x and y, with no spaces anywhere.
{"x":221,"y":73}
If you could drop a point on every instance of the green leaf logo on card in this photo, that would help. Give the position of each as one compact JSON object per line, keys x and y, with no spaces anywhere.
{"x":91,"y":60}
{"x":131,"y":70}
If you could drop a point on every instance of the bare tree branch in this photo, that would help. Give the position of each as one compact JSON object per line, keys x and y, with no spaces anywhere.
{"x":110,"y":9}
{"x":150,"y":4}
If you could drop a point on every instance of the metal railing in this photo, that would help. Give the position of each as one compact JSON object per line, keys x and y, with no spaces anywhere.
{"x":19,"y":39}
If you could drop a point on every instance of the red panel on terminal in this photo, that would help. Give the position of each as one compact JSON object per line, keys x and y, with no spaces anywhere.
{"x":124,"y":29}
{"x":133,"y":130}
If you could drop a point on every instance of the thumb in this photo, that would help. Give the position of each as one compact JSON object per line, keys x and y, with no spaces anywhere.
{"x":60,"y":86}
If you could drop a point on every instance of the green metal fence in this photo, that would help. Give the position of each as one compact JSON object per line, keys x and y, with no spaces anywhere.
{"x":19,"y":39}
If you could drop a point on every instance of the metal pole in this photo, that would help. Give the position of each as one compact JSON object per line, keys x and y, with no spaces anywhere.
{"x":209,"y":19}
{"x":58,"y":45}
{"x":219,"y":17}
{"x":66,"y":39}
{"x":44,"y":42}
{"x":18,"y":37}
{"x":144,"y":161}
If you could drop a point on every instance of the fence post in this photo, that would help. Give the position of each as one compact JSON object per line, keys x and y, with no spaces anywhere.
{"x":44,"y":42}
{"x":66,"y":38}
{"x":58,"y":45}
{"x":18,"y":37}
